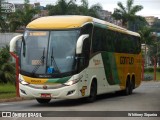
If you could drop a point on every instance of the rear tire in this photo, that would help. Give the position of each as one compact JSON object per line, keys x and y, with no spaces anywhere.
{"x":43,"y":101}
{"x":93,"y":92}
{"x":133,"y":83}
{"x":131,"y":88}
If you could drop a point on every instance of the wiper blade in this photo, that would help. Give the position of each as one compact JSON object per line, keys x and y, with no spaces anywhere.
{"x":42,"y":60}
{"x":54,"y":62}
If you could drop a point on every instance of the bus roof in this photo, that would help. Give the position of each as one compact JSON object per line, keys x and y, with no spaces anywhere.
{"x":72,"y":21}
{"x":59,"y":22}
{"x":115,"y":27}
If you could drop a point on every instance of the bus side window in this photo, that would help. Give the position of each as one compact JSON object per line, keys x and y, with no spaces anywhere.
{"x":86,"y":52}
{"x":137,"y":44}
{"x":85,"y":56}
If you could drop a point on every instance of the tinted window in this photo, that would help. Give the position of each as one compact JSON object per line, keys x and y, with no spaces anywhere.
{"x":112,"y":41}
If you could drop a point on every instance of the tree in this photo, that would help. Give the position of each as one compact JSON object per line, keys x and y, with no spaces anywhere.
{"x":156,"y":26}
{"x":64,"y":7}
{"x":22,"y":17}
{"x":146,"y":35}
{"x":3,"y":24}
{"x":89,"y":11}
{"x":7,"y":73}
{"x":128,"y":14}
{"x":7,"y":69}
{"x":4,"y":55}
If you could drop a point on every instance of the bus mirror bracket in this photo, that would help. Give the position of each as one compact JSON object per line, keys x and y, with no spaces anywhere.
{"x":12,"y":44}
{"x":80,"y":43}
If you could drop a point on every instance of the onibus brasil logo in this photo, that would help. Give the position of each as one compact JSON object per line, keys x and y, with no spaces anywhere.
{"x":7,"y":7}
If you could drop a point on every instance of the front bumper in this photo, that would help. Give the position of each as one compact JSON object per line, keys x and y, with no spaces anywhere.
{"x":65,"y":92}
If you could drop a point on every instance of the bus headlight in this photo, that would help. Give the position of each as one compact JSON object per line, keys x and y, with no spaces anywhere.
{"x":23,"y":82}
{"x":71,"y":82}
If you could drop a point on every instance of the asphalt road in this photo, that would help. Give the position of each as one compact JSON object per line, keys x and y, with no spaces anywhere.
{"x":144,"y":98}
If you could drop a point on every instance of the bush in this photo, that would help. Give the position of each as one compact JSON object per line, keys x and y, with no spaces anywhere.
{"x":148,"y":77}
{"x":151,"y":69}
{"x":7,"y":69}
{"x":158,"y":69}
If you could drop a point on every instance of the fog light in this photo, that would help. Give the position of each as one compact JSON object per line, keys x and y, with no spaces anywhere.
{"x":23,"y":91}
{"x":70,"y":92}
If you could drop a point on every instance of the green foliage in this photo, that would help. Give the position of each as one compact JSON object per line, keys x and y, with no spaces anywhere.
{"x":62,"y":7}
{"x":22,"y":17}
{"x":150,"y":76}
{"x":128,"y":14}
{"x":146,"y":35}
{"x":4,"y":54}
{"x":149,"y":69}
{"x":7,"y":69}
{"x":3,"y":24}
{"x":7,"y":91}
{"x":156,"y":26}
{"x":158,"y":69}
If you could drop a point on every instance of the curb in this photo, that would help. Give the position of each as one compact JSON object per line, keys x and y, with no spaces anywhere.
{"x":13,"y":99}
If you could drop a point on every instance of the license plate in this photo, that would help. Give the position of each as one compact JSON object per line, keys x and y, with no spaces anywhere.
{"x":45,"y":95}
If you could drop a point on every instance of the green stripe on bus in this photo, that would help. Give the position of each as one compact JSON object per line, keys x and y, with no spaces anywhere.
{"x":58,"y":80}
{"x":110,"y":68}
{"x":100,"y":25}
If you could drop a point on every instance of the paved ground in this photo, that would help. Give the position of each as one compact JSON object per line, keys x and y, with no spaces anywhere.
{"x":144,"y":98}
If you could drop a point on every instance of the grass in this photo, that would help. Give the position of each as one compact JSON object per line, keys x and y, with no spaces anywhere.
{"x":152,"y":74}
{"x":7,"y":91}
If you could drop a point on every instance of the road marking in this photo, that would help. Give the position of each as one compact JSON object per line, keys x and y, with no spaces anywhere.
{"x":3,"y":104}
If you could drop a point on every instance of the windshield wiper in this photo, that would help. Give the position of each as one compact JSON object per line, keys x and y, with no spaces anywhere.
{"x":54,"y":62}
{"x":42,"y":60}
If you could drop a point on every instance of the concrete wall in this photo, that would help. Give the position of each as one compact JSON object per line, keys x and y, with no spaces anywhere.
{"x":6,"y":37}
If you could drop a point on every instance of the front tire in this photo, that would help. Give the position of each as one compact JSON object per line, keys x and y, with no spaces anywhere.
{"x":93,"y":92}
{"x":43,"y":101}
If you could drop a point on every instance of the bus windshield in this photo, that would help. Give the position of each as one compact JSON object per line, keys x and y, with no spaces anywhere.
{"x":49,"y":52}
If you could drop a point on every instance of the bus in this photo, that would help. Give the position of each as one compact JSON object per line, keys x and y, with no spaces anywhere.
{"x":71,"y":57}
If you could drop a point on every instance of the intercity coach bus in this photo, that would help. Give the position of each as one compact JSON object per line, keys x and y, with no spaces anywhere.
{"x":70,"y":57}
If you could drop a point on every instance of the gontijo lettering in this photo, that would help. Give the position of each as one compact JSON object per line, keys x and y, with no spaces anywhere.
{"x":126,"y":60}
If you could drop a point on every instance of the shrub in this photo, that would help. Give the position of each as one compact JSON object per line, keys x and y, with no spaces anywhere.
{"x":149,"y":69}
{"x":158,"y":69}
{"x":7,"y":69}
{"x":148,"y":77}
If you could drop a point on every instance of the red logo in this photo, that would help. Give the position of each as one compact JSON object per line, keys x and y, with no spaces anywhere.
{"x":45,"y":87}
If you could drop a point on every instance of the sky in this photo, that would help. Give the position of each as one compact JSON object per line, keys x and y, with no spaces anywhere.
{"x":150,"y":7}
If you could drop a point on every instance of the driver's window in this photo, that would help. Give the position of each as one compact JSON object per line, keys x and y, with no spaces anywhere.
{"x":85,"y":56}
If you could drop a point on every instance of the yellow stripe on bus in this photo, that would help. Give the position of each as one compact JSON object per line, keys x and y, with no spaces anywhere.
{"x":34,"y":80}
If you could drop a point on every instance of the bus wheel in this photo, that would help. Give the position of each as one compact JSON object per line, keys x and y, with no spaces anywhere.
{"x":127,"y":89}
{"x":43,"y":101}
{"x":131,"y":87}
{"x":93,"y":92}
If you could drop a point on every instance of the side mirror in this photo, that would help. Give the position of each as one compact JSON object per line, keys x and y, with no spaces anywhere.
{"x":80,"y":43}
{"x":12,"y":44}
